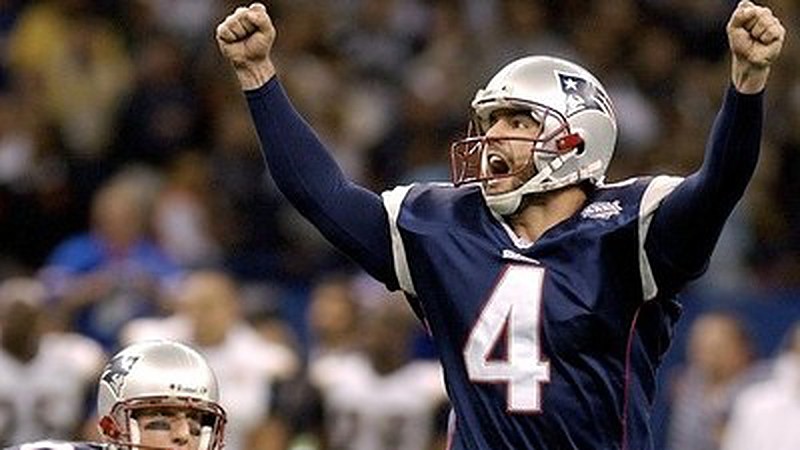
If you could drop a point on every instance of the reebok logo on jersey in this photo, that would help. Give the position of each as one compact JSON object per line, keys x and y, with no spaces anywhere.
{"x":602,"y":210}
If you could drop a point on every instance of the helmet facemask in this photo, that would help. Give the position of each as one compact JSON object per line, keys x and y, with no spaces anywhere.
{"x":207,"y":419}
{"x":470,"y":157}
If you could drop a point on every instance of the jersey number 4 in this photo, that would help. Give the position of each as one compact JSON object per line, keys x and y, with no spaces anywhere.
{"x":513,"y":311}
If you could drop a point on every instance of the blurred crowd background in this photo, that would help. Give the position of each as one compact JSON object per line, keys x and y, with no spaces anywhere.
{"x":134,"y":204}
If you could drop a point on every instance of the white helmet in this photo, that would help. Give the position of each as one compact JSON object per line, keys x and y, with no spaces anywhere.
{"x":579,"y":128}
{"x":158,"y":374}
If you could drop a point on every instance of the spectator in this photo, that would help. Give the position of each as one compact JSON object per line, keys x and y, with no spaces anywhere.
{"x":719,"y":357}
{"x":114,"y":272}
{"x":163,"y":113}
{"x":246,"y":365}
{"x":379,"y":398}
{"x":44,"y":374}
{"x":186,"y":217}
{"x":73,"y":64}
{"x":334,"y":316}
{"x":766,"y":414}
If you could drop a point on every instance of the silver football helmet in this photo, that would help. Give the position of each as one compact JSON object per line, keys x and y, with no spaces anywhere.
{"x":578,"y":128}
{"x":158,"y":374}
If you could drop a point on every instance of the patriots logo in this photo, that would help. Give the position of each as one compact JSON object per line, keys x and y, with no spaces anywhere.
{"x":116,"y":371}
{"x":583,"y":94}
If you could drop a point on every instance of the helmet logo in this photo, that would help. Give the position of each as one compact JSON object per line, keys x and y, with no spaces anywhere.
{"x":582,"y":94}
{"x":116,"y":371}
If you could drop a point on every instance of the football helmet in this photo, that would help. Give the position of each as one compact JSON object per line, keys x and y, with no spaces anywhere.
{"x":578,"y":128}
{"x":158,"y":374}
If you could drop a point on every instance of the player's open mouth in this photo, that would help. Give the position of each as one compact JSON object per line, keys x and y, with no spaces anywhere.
{"x":497,"y":164}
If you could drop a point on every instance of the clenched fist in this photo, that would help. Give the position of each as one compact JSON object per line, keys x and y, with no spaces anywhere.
{"x":755,"y":37}
{"x":245,"y":38}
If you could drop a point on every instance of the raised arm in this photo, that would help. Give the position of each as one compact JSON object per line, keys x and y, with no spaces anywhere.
{"x":351,"y":217}
{"x":688,"y":223}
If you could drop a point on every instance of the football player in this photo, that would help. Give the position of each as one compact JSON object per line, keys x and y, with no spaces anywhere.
{"x":379,"y":398}
{"x":247,"y":366}
{"x":550,"y":294}
{"x":154,"y":395}
{"x":34,"y":403}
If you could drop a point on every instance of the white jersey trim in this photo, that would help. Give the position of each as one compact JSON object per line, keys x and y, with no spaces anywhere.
{"x":392,"y":201}
{"x":658,"y":189}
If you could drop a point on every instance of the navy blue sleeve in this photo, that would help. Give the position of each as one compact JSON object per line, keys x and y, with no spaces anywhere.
{"x":688,"y":223}
{"x":349,"y":216}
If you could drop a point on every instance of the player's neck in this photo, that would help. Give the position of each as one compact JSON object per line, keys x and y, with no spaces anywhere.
{"x":541,"y":212}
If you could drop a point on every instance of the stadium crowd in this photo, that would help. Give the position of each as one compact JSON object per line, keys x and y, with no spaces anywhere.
{"x":134,"y":204}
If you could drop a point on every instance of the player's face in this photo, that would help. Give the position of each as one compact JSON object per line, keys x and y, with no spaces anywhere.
{"x":174,"y":428}
{"x":509,"y":163}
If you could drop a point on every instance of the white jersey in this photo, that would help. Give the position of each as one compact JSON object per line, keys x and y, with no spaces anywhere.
{"x":246,"y":366}
{"x":766,"y":415}
{"x":369,"y":411}
{"x":45,"y":397}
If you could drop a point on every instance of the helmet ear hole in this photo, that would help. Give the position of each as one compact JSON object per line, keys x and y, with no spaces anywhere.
{"x":581,"y":147}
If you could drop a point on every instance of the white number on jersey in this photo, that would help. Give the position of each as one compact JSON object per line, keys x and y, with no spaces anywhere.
{"x":514,"y":307}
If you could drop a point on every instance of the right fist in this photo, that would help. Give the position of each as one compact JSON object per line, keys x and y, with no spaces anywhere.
{"x":245,"y":38}
{"x":755,"y":34}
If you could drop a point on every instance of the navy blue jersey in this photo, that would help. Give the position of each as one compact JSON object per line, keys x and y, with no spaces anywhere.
{"x":59,"y":445}
{"x":546,"y":346}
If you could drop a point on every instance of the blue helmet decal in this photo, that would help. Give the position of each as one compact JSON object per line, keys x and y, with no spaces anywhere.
{"x":583,"y":94}
{"x":116,"y":371}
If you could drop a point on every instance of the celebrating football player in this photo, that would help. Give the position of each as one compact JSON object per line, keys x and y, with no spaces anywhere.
{"x":550,"y":294}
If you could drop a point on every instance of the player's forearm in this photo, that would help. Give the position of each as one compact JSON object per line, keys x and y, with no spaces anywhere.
{"x":690,"y":220}
{"x":351,"y":217}
{"x":731,"y":153}
{"x":298,"y":161}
